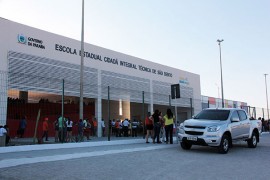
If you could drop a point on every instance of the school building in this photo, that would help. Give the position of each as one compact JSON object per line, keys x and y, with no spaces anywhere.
{"x":40,"y":70}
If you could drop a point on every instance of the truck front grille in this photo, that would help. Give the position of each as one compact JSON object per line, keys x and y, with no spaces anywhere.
{"x":194,"y":133}
{"x":195,"y":127}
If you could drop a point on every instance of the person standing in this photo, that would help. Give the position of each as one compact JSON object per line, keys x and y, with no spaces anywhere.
{"x":7,"y":134}
{"x":92,"y":126}
{"x":156,"y":119}
{"x":263,"y":129}
{"x":135,"y":125}
{"x":65,"y":129}
{"x":125,"y":127}
{"x":103,"y":127}
{"x":80,"y":130}
{"x":95,"y":127}
{"x":89,"y":127}
{"x":162,"y":127}
{"x":22,"y":126}
{"x":169,"y":125}
{"x":117,"y":128}
{"x":149,"y":127}
{"x":3,"y":133}
{"x":45,"y":128}
{"x":61,"y":121}
{"x":69,"y":129}
{"x":113,"y":127}
{"x":56,"y":130}
{"x":129,"y":128}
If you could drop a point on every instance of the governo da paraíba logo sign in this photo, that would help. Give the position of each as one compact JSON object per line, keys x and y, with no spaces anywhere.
{"x":30,"y":41}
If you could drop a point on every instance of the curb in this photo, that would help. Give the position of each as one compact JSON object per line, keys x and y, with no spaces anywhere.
{"x":67,"y":145}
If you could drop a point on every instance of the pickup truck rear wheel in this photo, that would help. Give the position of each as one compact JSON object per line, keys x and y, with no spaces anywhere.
{"x":224,"y":144}
{"x":252,"y":142}
{"x":185,"y":145}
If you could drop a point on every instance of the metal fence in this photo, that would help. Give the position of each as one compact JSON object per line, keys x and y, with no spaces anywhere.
{"x":116,"y":103}
{"x":26,"y":95}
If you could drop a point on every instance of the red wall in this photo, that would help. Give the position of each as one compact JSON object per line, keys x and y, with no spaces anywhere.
{"x":50,"y":110}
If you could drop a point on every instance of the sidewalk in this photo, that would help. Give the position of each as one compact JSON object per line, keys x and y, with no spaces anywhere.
{"x":30,"y":154}
{"x":26,"y":144}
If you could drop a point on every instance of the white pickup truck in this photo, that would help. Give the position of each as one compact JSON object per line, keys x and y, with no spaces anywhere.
{"x":219,"y":128}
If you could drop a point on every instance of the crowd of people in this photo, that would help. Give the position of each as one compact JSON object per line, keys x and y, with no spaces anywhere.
{"x":125,"y":128}
{"x":64,"y":128}
{"x":160,"y":127}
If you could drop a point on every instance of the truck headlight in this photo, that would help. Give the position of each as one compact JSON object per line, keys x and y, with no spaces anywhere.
{"x":181,"y":129}
{"x":213,"y":128}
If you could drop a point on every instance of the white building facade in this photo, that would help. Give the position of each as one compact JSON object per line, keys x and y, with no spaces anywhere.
{"x":37,"y":61}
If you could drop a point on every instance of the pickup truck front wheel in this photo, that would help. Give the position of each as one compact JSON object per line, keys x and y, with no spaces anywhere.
{"x":252,"y":142}
{"x":185,"y":145}
{"x":224,"y":144}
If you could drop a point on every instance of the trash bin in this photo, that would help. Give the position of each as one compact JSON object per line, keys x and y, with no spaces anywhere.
{"x":2,"y":141}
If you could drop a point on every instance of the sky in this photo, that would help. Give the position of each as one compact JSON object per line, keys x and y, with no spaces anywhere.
{"x":177,"y":33}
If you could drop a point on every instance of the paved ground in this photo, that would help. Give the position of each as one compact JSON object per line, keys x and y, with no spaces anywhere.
{"x":133,"y":159}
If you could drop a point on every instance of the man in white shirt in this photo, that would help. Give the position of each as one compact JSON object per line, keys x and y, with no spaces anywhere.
{"x":125,"y":127}
{"x":3,"y":133}
{"x":103,"y":127}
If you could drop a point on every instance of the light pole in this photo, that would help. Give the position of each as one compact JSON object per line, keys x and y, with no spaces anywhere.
{"x":218,"y":89}
{"x":218,"y":93}
{"x":82,"y":64}
{"x":222,"y":95}
{"x":266,"y":95}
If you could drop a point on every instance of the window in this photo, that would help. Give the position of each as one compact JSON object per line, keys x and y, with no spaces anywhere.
{"x":235,"y":116}
{"x":242,"y":115}
{"x":213,"y":115}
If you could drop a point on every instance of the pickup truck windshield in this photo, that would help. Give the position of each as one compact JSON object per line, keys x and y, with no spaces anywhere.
{"x":213,"y":115}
